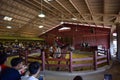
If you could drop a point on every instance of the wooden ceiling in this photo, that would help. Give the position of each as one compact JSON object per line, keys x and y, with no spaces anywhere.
{"x":25,"y":22}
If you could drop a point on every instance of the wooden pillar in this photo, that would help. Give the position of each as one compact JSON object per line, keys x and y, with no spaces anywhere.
{"x":111,"y":44}
{"x":108,"y":57}
{"x":20,"y":53}
{"x":26,"y":57}
{"x":73,"y":38}
{"x":43,"y":60}
{"x":118,"y":40}
{"x":95,"y":60}
{"x":71,"y":68}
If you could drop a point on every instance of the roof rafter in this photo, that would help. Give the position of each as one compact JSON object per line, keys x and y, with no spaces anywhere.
{"x":66,"y":8}
{"x":90,"y":10}
{"x":77,"y":10}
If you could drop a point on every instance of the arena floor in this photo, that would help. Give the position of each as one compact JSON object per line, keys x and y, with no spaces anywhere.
{"x":114,"y":70}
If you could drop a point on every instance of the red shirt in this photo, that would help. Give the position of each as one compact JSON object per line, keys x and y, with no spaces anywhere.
{"x":3,"y":67}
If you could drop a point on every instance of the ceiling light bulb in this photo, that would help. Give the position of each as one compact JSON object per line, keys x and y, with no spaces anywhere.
{"x":7,"y":18}
{"x":41,"y":15}
{"x":61,"y":22}
{"x":64,"y":28}
{"x":41,"y":26}
{"x":114,"y":34}
{"x":9,"y":27}
{"x":74,"y":18}
{"x":50,"y":0}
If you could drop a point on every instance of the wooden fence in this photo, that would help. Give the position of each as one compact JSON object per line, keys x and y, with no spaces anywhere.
{"x":94,"y":61}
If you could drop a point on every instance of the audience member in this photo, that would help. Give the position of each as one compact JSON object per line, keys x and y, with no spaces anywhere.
{"x":13,"y":73}
{"x":77,"y":78}
{"x":34,"y":69}
{"x":3,"y":59}
{"x":2,"y":49}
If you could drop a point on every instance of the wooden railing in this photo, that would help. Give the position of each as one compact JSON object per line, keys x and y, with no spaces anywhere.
{"x":100,"y":59}
{"x":81,"y":64}
{"x":93,"y":61}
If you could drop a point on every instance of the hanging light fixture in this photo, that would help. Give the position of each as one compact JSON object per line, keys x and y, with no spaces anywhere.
{"x":41,"y":15}
{"x":41,"y":26}
{"x":7,"y":18}
{"x":74,"y":19}
{"x":9,"y":27}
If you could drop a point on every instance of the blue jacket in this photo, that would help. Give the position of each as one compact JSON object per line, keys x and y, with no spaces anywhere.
{"x":10,"y":74}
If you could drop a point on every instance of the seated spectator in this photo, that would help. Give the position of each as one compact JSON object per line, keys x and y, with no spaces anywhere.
{"x":13,"y":73}
{"x":77,"y":78}
{"x":2,"y":49}
{"x":34,"y":69}
{"x":3,"y":59}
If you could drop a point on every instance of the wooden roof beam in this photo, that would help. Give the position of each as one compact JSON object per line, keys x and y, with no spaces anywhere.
{"x":32,"y":20}
{"x":117,"y":19}
{"x":77,"y":10}
{"x":66,"y":9}
{"x":39,"y":7}
{"x":91,"y":21}
{"x":53,"y":6}
{"x":90,"y":10}
{"x":15,"y":14}
{"x":53,"y":12}
{"x":16,"y":7}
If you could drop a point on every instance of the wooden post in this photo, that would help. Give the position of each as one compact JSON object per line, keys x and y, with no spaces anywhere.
{"x":26,"y":57}
{"x":95,"y":60}
{"x":43,"y":60}
{"x":70,"y":56}
{"x":108,"y":57}
{"x":20,"y":53}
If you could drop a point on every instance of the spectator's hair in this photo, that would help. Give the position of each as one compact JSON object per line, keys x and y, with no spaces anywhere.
{"x":34,"y":67}
{"x":77,"y":78}
{"x":1,"y":44}
{"x":3,"y":58}
{"x":16,"y":61}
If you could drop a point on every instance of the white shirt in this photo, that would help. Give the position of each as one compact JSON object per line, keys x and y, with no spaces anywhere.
{"x":28,"y":78}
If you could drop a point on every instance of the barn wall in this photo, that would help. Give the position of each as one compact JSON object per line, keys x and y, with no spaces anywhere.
{"x":78,"y":34}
